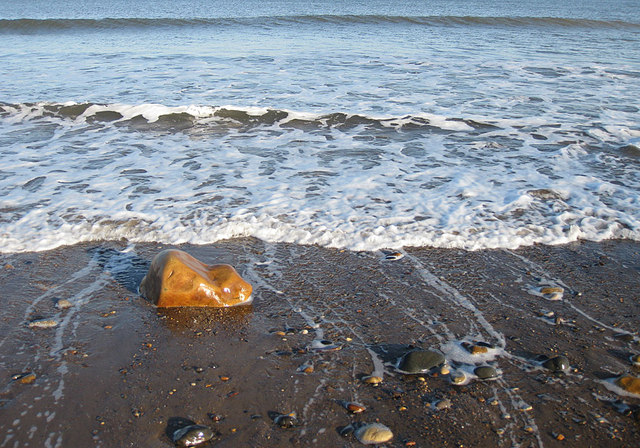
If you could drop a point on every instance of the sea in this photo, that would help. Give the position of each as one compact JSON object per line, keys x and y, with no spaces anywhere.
{"x":352,"y":124}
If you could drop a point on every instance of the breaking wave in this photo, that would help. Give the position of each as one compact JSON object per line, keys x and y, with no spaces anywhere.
{"x":27,"y":25}
{"x":178,"y":118}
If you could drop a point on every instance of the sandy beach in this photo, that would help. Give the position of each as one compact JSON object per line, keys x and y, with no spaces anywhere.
{"x":111,"y":370}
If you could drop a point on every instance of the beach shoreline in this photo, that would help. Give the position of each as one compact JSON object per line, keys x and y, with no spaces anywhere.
{"x":115,"y":371}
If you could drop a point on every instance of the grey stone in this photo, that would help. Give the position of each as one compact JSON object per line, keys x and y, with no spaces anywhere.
{"x":485,"y":372}
{"x":418,"y":361}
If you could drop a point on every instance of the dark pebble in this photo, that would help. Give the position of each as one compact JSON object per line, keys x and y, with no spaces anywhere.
{"x":346,"y":430}
{"x":192,"y":435}
{"x":624,"y":337}
{"x":485,"y":372}
{"x":557,"y":364}
{"x":215,"y":417}
{"x":286,"y":421}
{"x":418,"y":361}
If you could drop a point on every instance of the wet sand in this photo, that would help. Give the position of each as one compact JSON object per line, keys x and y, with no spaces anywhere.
{"x":117,"y":372}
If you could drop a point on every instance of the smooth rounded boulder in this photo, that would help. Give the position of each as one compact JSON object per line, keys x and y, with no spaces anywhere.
{"x":176,"y":279}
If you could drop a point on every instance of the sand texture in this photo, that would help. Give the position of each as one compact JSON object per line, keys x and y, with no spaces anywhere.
{"x":109,"y":369}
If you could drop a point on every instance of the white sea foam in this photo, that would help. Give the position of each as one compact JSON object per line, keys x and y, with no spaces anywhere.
{"x":356,"y":188}
{"x":151,"y":112}
{"x":454,"y":351}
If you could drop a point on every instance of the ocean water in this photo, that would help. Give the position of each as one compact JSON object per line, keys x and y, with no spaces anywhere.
{"x":362,"y":125}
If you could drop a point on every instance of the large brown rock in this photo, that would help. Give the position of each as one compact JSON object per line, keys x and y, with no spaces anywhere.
{"x":175,"y":279}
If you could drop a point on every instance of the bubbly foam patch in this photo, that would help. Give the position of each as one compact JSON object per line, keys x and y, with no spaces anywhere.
{"x":336,"y":180}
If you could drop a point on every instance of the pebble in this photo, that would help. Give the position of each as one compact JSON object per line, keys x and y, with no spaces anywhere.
{"x":192,"y":435}
{"x":629,"y":383}
{"x":372,"y":379}
{"x":306,"y":368}
{"x":477,"y":348}
{"x":418,"y":361}
{"x":485,"y":372}
{"x":353,"y":407}
{"x":25,"y":378}
{"x":63,"y":304}
{"x":346,"y":430}
{"x":43,"y":323}
{"x":551,"y":290}
{"x":443,"y":404}
{"x":624,"y":337}
{"x":552,"y":293}
{"x":373,"y":433}
{"x":324,"y":345}
{"x":394,"y":256}
{"x":286,"y":420}
{"x":557,"y":364}
{"x":635,"y":360}
{"x":458,"y":378}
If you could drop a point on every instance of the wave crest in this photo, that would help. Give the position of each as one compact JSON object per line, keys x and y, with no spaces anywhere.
{"x":29,"y":26}
{"x":179,"y":118}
